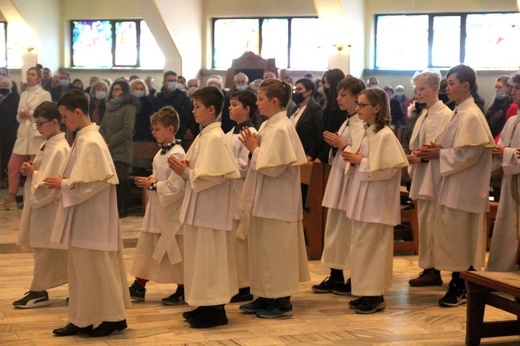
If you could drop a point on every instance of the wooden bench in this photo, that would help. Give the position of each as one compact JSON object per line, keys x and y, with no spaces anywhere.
{"x":144,"y":153}
{"x":498,"y":289}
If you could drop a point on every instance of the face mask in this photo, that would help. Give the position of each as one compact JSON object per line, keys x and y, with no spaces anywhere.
{"x":172,"y":86}
{"x":399,"y":93}
{"x":374,"y":86}
{"x":64,"y":82}
{"x":298,"y":98}
{"x":4,"y":91}
{"x":500,"y":95}
{"x":100,"y":95}
{"x":320,"y":90}
{"x":138,"y":93}
{"x":241,"y":87}
{"x":192,"y":89}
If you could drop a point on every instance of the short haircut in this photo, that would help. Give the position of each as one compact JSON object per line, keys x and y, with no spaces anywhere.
{"x":169,"y":73}
{"x":210,"y":96}
{"x":166,"y":116}
{"x":38,"y":71}
{"x":47,"y":110}
{"x":74,"y":99}
{"x":352,"y":84}
{"x":431,"y":78}
{"x":275,"y":88}
{"x":504,"y":79}
{"x":379,"y":97}
{"x":241,"y":74}
{"x":464,"y":74}
{"x":308,"y":84}
{"x":515,"y":78}
{"x":247,"y":99}
{"x":97,"y":85}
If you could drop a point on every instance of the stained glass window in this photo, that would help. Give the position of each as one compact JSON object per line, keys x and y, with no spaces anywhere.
{"x":446,"y":41}
{"x":307,"y":50}
{"x":275,"y":40}
{"x":108,"y":43}
{"x":3,"y":44}
{"x":233,"y":37}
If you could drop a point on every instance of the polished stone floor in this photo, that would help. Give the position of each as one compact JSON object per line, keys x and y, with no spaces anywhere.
{"x":412,"y":316}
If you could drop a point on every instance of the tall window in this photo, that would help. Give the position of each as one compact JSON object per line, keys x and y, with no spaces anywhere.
{"x":111,"y":43}
{"x":293,"y":42}
{"x":484,"y":41}
{"x":3,"y":44}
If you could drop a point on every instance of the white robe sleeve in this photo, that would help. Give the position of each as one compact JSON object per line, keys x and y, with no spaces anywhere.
{"x":385,"y":174}
{"x":171,"y":190}
{"x":272,"y":172}
{"x":454,"y":160}
{"x":510,"y":163}
{"x":80,"y":191}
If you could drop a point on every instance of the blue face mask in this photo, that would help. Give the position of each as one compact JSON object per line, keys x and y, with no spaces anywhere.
{"x":100,"y":95}
{"x":399,"y":93}
{"x":500,"y":95}
{"x":172,"y":86}
{"x":139,"y":93}
{"x":64,"y":82}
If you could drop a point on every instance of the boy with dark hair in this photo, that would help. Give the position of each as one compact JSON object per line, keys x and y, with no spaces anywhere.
{"x":87,"y":221}
{"x":464,"y":154}
{"x":242,"y":107}
{"x":39,"y":209}
{"x":209,"y":258}
{"x":158,"y":255}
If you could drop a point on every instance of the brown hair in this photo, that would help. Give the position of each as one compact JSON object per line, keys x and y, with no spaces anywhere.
{"x":166,"y":116}
{"x":275,"y":88}
{"x":379,"y":97}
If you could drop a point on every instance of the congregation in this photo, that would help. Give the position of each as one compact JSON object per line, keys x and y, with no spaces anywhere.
{"x":224,"y":214}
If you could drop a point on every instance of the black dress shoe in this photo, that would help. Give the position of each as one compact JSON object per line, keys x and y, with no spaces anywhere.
{"x":191,"y":314}
{"x":107,"y":328}
{"x":71,"y":329}
{"x":209,"y":316}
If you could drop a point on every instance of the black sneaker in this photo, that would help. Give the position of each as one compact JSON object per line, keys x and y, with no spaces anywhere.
{"x":326,"y":286}
{"x":343,"y":290}
{"x":33,"y":299}
{"x":276,"y":309}
{"x":209,"y":316}
{"x":454,"y":297}
{"x":428,"y":277}
{"x":192,"y":313}
{"x":354,"y":304}
{"x":243,"y":295}
{"x":137,"y":292}
{"x":370,"y":305}
{"x":256,"y":305}
{"x":175,"y":299}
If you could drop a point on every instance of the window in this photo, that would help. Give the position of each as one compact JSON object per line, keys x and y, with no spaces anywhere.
{"x":3,"y":44}
{"x":292,"y":42}
{"x":483,"y":41}
{"x":111,"y":43}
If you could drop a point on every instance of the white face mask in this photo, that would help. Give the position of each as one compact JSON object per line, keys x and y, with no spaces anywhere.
{"x":100,"y":95}
{"x":172,"y":86}
{"x":192,"y":89}
{"x":241,"y":87}
{"x":139,"y":93}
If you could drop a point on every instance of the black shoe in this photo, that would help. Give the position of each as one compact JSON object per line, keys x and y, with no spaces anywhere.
{"x":354,"y":304}
{"x":71,"y":329}
{"x":209,"y":316}
{"x":455,"y":296}
{"x":243,"y":295}
{"x":192,"y":313}
{"x":137,"y":292}
{"x":175,"y":299}
{"x":326,"y":286}
{"x":370,"y":305}
{"x":343,"y":290}
{"x":33,"y":299}
{"x":107,"y":328}
{"x":275,"y":310}
{"x":256,"y":305}
{"x":428,"y":277}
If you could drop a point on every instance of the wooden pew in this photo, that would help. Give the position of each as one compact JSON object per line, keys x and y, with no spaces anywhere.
{"x":497,"y":289}
{"x":144,"y":153}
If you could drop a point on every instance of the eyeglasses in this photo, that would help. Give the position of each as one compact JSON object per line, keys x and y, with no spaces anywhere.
{"x":363,"y":105}
{"x":40,"y":123}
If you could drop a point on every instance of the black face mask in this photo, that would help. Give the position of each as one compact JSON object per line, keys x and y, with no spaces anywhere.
{"x":4,"y":91}
{"x":298,"y":98}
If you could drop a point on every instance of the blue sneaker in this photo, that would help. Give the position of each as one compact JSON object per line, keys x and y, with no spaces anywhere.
{"x":276,"y":309}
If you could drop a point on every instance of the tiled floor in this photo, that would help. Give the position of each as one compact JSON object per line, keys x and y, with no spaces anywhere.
{"x":412,"y":316}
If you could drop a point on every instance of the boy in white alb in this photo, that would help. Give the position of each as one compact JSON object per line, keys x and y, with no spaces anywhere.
{"x":158,"y":255}
{"x":207,"y":215}
{"x":506,"y":233}
{"x":87,"y":221}
{"x":40,"y":206}
{"x":271,"y":206}
{"x":336,"y":248}
{"x":242,"y":106}
{"x":464,"y":154}
{"x":426,"y":175}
